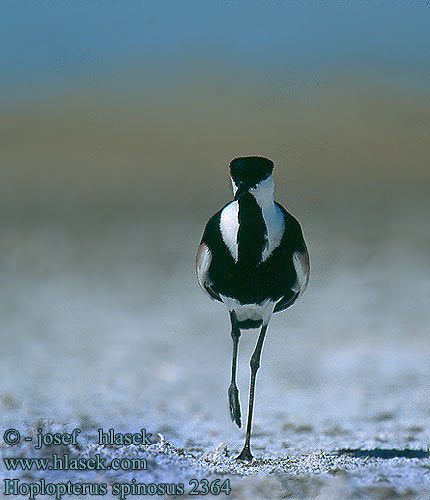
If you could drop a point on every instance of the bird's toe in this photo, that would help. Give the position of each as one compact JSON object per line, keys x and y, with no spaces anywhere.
{"x":245,"y":455}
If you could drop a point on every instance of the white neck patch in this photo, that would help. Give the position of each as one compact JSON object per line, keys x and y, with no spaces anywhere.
{"x":263,"y":192}
{"x":274,"y":220}
{"x":229,"y":226}
{"x":272,"y":215}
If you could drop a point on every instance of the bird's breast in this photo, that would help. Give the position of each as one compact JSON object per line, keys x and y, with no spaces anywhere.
{"x":251,"y":232}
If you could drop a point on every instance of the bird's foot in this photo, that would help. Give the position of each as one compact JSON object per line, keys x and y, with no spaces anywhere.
{"x":233,"y":398}
{"x":245,"y":455}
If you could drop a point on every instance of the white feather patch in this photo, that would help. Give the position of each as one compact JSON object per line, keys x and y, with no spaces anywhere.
{"x":274,"y":220}
{"x":203,"y":261}
{"x":301,"y":265}
{"x":229,"y":227}
{"x":272,"y":215}
{"x":244,"y":312}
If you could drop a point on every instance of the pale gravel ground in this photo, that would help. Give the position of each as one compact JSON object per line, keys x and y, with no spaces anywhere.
{"x":103,"y":325}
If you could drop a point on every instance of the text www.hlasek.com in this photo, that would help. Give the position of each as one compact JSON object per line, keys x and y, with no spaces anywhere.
{"x":65,"y":462}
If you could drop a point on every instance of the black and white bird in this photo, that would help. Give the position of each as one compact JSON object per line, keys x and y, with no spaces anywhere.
{"x":253,"y":259}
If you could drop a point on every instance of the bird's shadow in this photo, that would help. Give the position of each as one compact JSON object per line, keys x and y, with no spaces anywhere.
{"x":385,"y":453}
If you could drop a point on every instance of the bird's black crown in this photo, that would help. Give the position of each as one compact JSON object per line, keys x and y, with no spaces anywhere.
{"x":250,"y":169}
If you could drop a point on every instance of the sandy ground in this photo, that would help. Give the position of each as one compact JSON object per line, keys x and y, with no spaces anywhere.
{"x":104,"y":326}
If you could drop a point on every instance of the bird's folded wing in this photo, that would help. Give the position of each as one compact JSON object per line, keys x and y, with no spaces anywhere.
{"x":203,"y":262}
{"x":302,"y":267}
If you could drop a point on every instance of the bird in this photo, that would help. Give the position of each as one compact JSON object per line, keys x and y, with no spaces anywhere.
{"x":252,"y":258}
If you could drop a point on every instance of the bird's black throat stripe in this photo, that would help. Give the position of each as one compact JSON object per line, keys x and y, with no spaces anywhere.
{"x":252,"y":233}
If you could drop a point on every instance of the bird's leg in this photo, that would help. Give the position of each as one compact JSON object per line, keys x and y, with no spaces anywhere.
{"x":233,"y":392}
{"x":255,"y":365}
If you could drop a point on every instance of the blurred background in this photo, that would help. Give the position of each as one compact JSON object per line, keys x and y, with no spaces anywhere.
{"x":118,"y":121}
{"x":142,"y":102}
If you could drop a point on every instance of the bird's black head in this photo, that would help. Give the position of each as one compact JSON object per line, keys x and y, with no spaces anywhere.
{"x":248,"y":171}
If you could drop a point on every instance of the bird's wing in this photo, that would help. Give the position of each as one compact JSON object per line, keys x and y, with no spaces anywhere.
{"x":203,"y":262}
{"x":296,"y":247}
{"x":303,"y":268}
